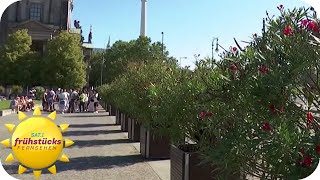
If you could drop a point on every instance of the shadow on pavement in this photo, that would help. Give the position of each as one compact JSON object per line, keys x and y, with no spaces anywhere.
{"x":90,"y":143}
{"x":86,"y":163}
{"x":94,"y":132}
{"x":89,"y":125}
{"x":82,"y":116}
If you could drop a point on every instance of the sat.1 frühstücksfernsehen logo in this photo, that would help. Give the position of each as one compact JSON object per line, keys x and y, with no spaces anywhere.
{"x":37,"y":143}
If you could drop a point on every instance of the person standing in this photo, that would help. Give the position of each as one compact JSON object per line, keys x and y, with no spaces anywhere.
{"x":44,"y":100}
{"x":68,"y":99}
{"x":63,"y":100}
{"x":14,"y":105}
{"x":86,"y":101}
{"x":74,"y":96}
{"x":51,"y":96}
{"x":82,"y":102}
{"x":58,"y":94}
{"x":91,"y":105}
{"x":96,"y":102}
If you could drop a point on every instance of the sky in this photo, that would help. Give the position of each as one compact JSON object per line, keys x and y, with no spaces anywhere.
{"x":189,"y":26}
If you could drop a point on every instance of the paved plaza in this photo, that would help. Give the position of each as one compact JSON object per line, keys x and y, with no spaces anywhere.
{"x":101,"y":151}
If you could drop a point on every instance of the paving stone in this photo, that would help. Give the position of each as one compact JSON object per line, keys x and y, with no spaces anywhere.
{"x":101,"y":151}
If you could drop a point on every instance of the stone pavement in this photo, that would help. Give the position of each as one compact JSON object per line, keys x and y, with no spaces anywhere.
{"x":101,"y":151}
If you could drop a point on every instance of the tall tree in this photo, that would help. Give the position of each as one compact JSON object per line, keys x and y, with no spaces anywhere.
{"x":97,"y":66}
{"x":13,"y":53}
{"x":65,"y":62}
{"x":135,"y":51}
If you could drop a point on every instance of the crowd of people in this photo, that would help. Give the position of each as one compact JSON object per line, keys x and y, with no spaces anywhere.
{"x":22,"y":103}
{"x":70,"y":101}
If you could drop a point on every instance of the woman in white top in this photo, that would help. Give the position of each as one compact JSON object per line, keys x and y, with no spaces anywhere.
{"x":86,"y":101}
{"x":63,"y":101}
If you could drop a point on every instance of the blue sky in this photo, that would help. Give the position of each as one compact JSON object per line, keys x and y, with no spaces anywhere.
{"x":188,"y":25}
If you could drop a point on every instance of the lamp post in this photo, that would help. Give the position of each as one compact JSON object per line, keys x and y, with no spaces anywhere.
{"x":102,"y":67}
{"x":182,"y":58}
{"x":212,"y":45}
{"x":162,"y":34}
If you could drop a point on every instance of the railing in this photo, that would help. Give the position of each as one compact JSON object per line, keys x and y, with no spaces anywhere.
{"x":87,"y":45}
{"x":75,"y":30}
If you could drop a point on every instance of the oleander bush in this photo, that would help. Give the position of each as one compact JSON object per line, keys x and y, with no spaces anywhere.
{"x":255,"y":111}
{"x":261,"y":127}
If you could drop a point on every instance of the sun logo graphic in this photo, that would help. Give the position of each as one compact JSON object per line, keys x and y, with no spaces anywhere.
{"x":37,"y":143}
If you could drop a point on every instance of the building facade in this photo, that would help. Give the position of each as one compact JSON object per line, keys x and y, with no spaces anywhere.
{"x":43,"y":19}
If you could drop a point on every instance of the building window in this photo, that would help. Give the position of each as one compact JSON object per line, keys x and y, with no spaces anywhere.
{"x":35,"y":11}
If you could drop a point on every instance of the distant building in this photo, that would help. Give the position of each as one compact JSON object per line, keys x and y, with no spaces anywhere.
{"x":43,"y":19}
{"x":98,"y":50}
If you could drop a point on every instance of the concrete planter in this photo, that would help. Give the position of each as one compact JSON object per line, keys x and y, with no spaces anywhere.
{"x":104,"y":105}
{"x":188,"y":166}
{"x":109,"y":109}
{"x":124,"y":122}
{"x":118,"y":122}
{"x":133,"y":130}
{"x":6,"y":112}
{"x":153,"y":147}
{"x":113,"y":110}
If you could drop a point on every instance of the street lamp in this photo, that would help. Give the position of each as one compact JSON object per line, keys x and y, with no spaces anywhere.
{"x":102,"y":67}
{"x":182,"y":58}
{"x":212,"y":45}
{"x":162,"y":34}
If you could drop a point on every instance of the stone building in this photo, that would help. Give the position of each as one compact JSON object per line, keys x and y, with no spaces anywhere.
{"x":43,"y":19}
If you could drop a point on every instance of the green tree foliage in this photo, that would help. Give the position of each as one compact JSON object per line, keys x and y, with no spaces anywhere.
{"x":123,"y":53}
{"x":2,"y":90}
{"x":39,"y":92}
{"x":17,"y":89}
{"x":97,"y":63}
{"x":18,"y":64}
{"x":64,"y":62}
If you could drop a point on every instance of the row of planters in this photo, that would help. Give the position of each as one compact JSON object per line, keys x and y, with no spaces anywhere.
{"x":248,"y":114}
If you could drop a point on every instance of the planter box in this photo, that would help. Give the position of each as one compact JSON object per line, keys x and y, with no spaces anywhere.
{"x":186,"y":166}
{"x":6,"y":112}
{"x":109,"y":109}
{"x":113,"y":111}
{"x":153,"y":147}
{"x":133,"y":130}
{"x":124,"y":122}
{"x":118,"y":122}
{"x":105,"y":106}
